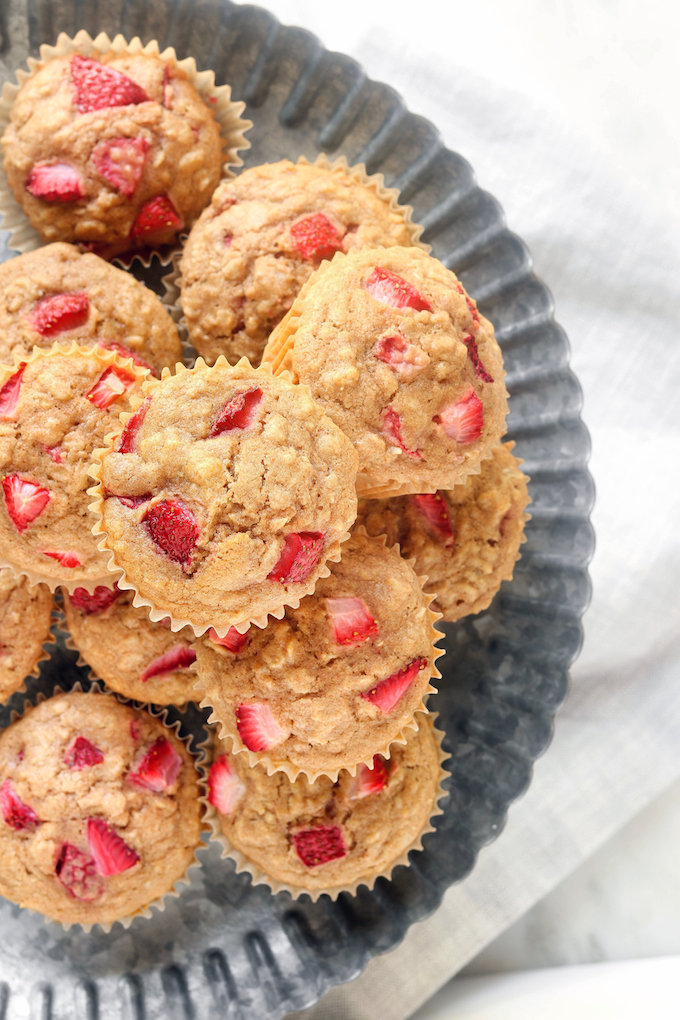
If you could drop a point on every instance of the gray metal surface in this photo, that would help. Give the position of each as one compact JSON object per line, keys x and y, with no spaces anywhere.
{"x":224,"y":949}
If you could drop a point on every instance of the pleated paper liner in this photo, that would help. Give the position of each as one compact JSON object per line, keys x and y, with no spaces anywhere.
{"x":23,"y":237}
{"x":197,"y":755}
{"x":41,"y":655}
{"x":70,"y":577}
{"x":369,"y":878}
{"x":244,"y":621}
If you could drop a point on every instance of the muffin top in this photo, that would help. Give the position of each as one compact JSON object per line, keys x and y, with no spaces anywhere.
{"x":131,"y":654}
{"x":260,"y":239}
{"x":100,"y":810}
{"x":115,"y":150}
{"x":54,"y":410}
{"x":224,"y":496}
{"x":327,"y":836}
{"x":55,"y":293}
{"x":398,"y":356}
{"x":25,"y":621}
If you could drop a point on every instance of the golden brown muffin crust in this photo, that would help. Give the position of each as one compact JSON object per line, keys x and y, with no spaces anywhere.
{"x":25,"y":621}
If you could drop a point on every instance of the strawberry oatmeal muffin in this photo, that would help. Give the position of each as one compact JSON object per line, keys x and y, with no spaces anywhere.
{"x":55,"y":293}
{"x":398,"y":356}
{"x":132,"y":655}
{"x":263,"y":235}
{"x":117,"y":150}
{"x":326,"y":837}
{"x":466,"y":540}
{"x":100,"y":809}
{"x":223,"y":496}
{"x":337,"y":679}
{"x":55,"y":408}
{"x":25,"y":621}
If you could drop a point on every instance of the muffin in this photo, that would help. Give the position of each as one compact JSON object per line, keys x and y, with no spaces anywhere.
{"x":326,"y":837}
{"x":25,"y":621}
{"x":55,"y":408}
{"x":261,"y":238}
{"x":336,"y":679}
{"x":132,"y":655}
{"x":224,"y":496}
{"x":100,"y":809}
{"x":466,"y":540}
{"x":398,"y":356}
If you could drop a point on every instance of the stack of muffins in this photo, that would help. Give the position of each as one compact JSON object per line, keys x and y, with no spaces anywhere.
{"x":271,"y":532}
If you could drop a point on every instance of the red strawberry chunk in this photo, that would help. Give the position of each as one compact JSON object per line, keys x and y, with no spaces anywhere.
{"x":55,"y":182}
{"x":120,"y":161}
{"x":9,"y":395}
{"x":178,"y":657}
{"x":82,"y":753}
{"x":55,"y":453}
{"x":434,"y":509}
{"x":16,"y":814}
{"x":173,"y":528}
{"x":319,"y":845}
{"x":471,"y":307}
{"x":132,"y":501}
{"x":96,"y":603}
{"x":126,"y":443}
{"x":25,"y":500}
{"x":390,"y":691}
{"x":315,"y":237}
{"x":159,"y":768}
{"x":125,"y":352}
{"x":464,"y":420}
{"x":97,"y":86}
{"x":257,"y":727}
{"x":60,"y":312}
{"x":393,"y":290}
{"x":157,"y":220}
{"x":239,"y":412}
{"x":473,"y":355}
{"x":225,"y":788}
{"x":67,"y":559}
{"x":78,"y":872}
{"x":111,"y":385}
{"x":351,"y":620}
{"x":232,"y":640}
{"x":369,"y":780}
{"x":111,"y":854}
{"x":392,"y":429}
{"x":405,"y":359}
{"x":300,"y":554}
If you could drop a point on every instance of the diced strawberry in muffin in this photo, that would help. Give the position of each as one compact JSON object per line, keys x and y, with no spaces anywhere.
{"x":179,"y":657}
{"x":55,"y":182}
{"x":257,"y":727}
{"x":9,"y":395}
{"x":407,"y":360}
{"x":120,"y":161}
{"x":351,"y":620}
{"x":111,"y":853}
{"x":315,"y":237}
{"x":369,"y":780}
{"x":98,"y":86}
{"x":98,"y":601}
{"x":112,"y":384}
{"x":78,"y":872}
{"x":473,"y":355}
{"x":83,"y":754}
{"x":392,"y":425}
{"x":17,"y":815}
{"x":68,"y":559}
{"x":434,"y":509}
{"x":159,"y":768}
{"x":60,"y":312}
{"x":394,"y":290}
{"x":232,"y":640}
{"x":319,"y":845}
{"x":157,"y":221}
{"x":173,"y":528}
{"x":125,"y":352}
{"x":300,"y":554}
{"x":25,"y":500}
{"x":390,"y":691}
{"x":239,"y":412}
{"x":126,"y":442}
{"x":225,"y":787}
{"x":464,"y":420}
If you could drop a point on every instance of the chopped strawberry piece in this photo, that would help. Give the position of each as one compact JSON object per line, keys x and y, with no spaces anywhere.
{"x":126,"y":443}
{"x":111,"y":854}
{"x":96,"y":603}
{"x":82,"y":753}
{"x":393,"y":290}
{"x":173,"y":528}
{"x":25,"y":500}
{"x":67,"y":559}
{"x":464,"y":420}
{"x":471,"y":307}
{"x":125,"y":352}
{"x":225,"y":787}
{"x":78,"y":872}
{"x":159,"y":768}
{"x":300,"y":554}
{"x":134,"y":730}
{"x":232,"y":640}
{"x":257,"y":727}
{"x":239,"y":412}
{"x":406,"y":359}
{"x":319,"y":845}
{"x":315,"y":237}
{"x":473,"y":355}
{"x":157,"y":220}
{"x":434,"y":509}
{"x":111,"y":385}
{"x":120,"y":161}
{"x":388,"y":692}
{"x":55,"y":453}
{"x":16,"y":814}
{"x":132,"y":501}
{"x":369,"y":780}
{"x":179,"y":657}
{"x":97,"y":86}
{"x":55,"y":182}
{"x":351,"y":620}
{"x":60,"y":312}
{"x":9,"y":394}
{"x":392,"y":429}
